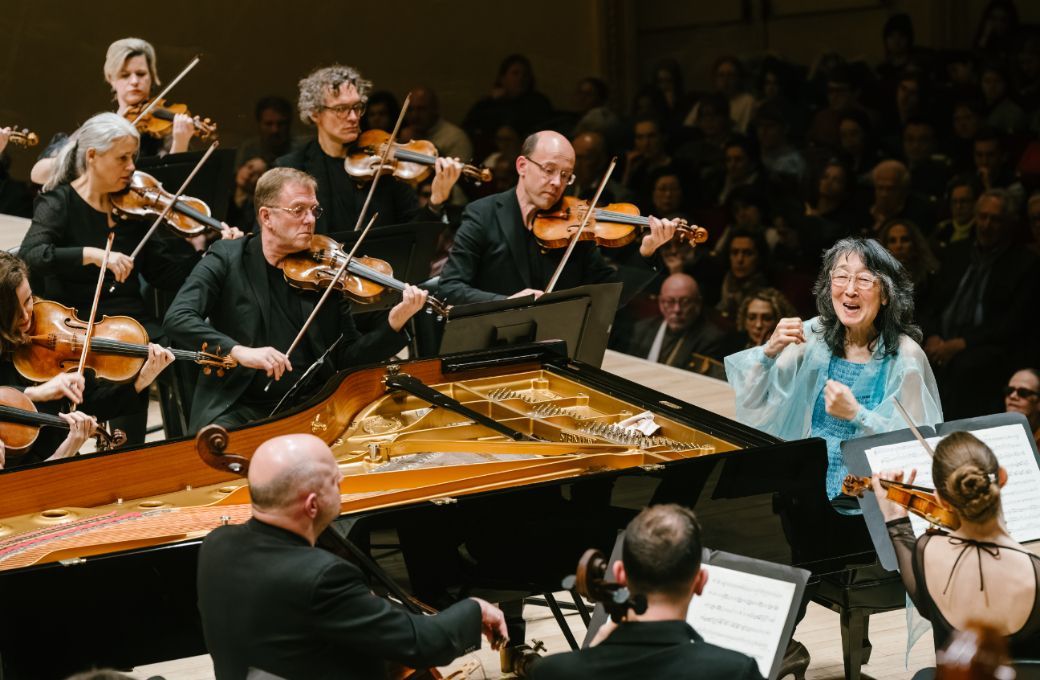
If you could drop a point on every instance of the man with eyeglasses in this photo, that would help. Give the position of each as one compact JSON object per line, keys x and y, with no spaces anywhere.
{"x":1022,"y":395}
{"x":332,"y":99}
{"x":237,"y":299}
{"x":681,"y":331}
{"x":496,"y":255}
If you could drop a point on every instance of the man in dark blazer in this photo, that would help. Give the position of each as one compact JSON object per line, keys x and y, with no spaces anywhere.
{"x":681,"y":331}
{"x":661,"y":559}
{"x":273,"y":602}
{"x":237,"y":298}
{"x":495,"y":255}
{"x":978,"y":319}
{"x":333,"y":100}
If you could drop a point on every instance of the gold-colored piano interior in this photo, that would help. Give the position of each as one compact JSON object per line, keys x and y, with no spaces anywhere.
{"x":540,"y":403}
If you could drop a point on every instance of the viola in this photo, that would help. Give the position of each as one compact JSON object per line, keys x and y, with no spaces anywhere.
{"x":408,"y":161}
{"x":365,"y":280}
{"x":611,"y":226}
{"x":118,"y":347}
{"x":919,"y":500}
{"x":23,"y":138}
{"x":591,"y":583}
{"x":20,"y":424}
{"x":158,"y":122}
{"x":145,"y":197}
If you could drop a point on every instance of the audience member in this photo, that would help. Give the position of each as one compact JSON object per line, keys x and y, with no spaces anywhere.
{"x":748,"y":254}
{"x":966,"y":120}
{"x":672,"y":101}
{"x":780,"y":159}
{"x":894,"y":200}
{"x":1022,"y":395}
{"x":661,"y":560}
{"x":274,"y":132}
{"x":1002,"y":113}
{"x":241,"y":211}
{"x":961,"y":224}
{"x":929,"y":171}
{"x":681,"y":330}
{"x":728,"y":77}
{"x":997,"y":27}
{"x":758,"y":316}
{"x":907,"y":244}
{"x":591,"y":159}
{"x":741,"y":168}
{"x":977,"y":320}
{"x":424,"y":117}
{"x":513,"y":99}
{"x":648,"y":153}
{"x":842,"y":96}
{"x":667,"y":195}
{"x":857,"y":144}
{"x":992,"y":170}
{"x":596,"y":115}
{"x":834,"y":199}
{"x":382,"y":111}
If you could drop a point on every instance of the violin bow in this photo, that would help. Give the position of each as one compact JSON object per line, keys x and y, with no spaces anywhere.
{"x":382,"y":162}
{"x":155,"y":100}
{"x":913,"y":428}
{"x":94,"y":306}
{"x":584,"y":222}
{"x":176,"y":197}
{"x":325,"y":295}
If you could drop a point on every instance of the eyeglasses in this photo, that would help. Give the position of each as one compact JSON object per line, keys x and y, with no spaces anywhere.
{"x":299,"y":210}
{"x":840,"y":280}
{"x":344,"y":110}
{"x":1022,"y":392}
{"x":551,"y":171}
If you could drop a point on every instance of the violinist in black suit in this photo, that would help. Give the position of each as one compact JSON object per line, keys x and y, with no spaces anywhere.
{"x":496,"y":255}
{"x":333,"y":100}
{"x":237,"y":298}
{"x":273,"y":602}
{"x":661,"y":559}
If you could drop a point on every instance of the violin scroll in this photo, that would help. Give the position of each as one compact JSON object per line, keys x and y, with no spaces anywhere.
{"x":590,"y":581}
{"x":214,"y":361}
{"x":23,"y":138}
{"x":211,"y":444}
{"x":106,"y":441}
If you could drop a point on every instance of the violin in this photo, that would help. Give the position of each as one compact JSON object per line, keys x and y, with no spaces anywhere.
{"x":158,"y":122}
{"x":145,"y":197}
{"x":407,"y":161}
{"x":118,"y":347}
{"x":364,"y":281}
{"x":23,"y":138}
{"x":611,"y":226}
{"x":919,"y":500}
{"x":20,"y":424}
{"x":975,"y":653}
{"x":591,"y":583}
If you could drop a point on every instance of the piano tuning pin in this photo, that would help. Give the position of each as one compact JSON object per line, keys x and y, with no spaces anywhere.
{"x":207,"y":370}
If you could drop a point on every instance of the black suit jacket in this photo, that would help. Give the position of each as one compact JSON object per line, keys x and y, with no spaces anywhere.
{"x":702,"y":337}
{"x":269,"y":600}
{"x":226,"y":302}
{"x":1007,"y":300}
{"x":651,"y":649}
{"x":489,"y":259}
{"x":396,"y":202}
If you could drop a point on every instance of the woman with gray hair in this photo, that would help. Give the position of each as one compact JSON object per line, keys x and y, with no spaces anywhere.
{"x":130,"y":70}
{"x":72,"y":219}
{"x":837,"y":376}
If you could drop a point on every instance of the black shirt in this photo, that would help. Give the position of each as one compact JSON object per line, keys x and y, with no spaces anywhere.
{"x":64,"y":224}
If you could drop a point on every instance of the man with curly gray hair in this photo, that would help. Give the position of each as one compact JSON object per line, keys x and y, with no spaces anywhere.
{"x":332,"y":99}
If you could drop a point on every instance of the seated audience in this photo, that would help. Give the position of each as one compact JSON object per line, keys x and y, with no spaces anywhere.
{"x":660,"y":559}
{"x":682,"y":329}
{"x":907,"y":244}
{"x":272,"y":602}
{"x":929,"y":171}
{"x":648,"y":153}
{"x":747,"y":254}
{"x":241,"y":211}
{"x":382,"y":112}
{"x":893,"y":198}
{"x":591,"y":159}
{"x":1022,"y":395}
{"x":758,"y":316}
{"x":274,"y":132}
{"x":977,"y":319}
{"x":961,"y":223}
{"x":976,"y":573}
{"x":992,"y":170}
{"x":728,"y":74}
{"x":834,"y":198}
{"x":780,"y":159}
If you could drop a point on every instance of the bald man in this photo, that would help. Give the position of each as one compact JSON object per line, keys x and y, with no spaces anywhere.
{"x":495,"y":254}
{"x":681,"y":331}
{"x":269,"y":600}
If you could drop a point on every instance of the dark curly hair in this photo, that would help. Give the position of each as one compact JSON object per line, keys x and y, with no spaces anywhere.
{"x":896,"y":316}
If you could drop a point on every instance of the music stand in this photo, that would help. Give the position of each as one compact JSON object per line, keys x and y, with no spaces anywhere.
{"x":580,"y":316}
{"x":212,"y":185}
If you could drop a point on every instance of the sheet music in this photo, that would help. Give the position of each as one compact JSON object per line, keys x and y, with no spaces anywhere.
{"x":743,"y":612}
{"x":1014,"y":452}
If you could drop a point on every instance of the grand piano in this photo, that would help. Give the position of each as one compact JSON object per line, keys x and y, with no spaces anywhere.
{"x":521,"y":456}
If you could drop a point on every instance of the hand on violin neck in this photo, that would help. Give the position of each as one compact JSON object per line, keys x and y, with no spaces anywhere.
{"x":266,"y":359}
{"x":158,"y":359}
{"x":81,"y":428}
{"x":183,"y":130}
{"x":64,"y":385}
{"x":412,"y":300}
{"x":889,"y":509}
{"x":661,"y":232}
{"x":446,"y":173}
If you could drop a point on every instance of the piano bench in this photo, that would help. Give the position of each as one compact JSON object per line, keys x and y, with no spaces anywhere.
{"x":856,"y":594}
